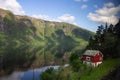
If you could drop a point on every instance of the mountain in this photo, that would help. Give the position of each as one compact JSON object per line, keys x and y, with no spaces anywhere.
{"x":17,"y":30}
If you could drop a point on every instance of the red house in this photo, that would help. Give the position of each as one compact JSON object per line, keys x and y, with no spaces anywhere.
{"x":92,"y":57}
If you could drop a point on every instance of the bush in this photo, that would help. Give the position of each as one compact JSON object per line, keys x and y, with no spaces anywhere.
{"x":49,"y":74}
{"x":75,"y":62}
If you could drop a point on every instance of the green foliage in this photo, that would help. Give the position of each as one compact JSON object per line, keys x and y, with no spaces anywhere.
{"x":75,"y":62}
{"x":26,"y":30}
{"x":49,"y":74}
{"x":16,"y":56}
{"x":106,"y":40}
{"x":19,"y":32}
{"x":2,"y":39}
{"x":81,"y":33}
{"x":73,"y":57}
{"x":67,"y":74}
{"x":99,"y":72}
{"x":87,"y":72}
{"x":117,"y":29}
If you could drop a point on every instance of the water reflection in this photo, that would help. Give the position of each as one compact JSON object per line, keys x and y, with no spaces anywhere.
{"x":23,"y":57}
{"x":13,"y":76}
{"x":27,"y":75}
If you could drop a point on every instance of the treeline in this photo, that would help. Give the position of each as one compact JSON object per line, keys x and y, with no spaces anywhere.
{"x":107,"y":40}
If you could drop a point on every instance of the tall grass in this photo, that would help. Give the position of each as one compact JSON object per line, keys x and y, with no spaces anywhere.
{"x":100,"y":71}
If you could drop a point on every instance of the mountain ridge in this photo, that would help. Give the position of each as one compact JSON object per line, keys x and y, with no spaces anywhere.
{"x":24,"y":29}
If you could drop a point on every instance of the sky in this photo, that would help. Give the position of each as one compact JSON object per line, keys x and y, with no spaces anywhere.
{"x":87,"y":14}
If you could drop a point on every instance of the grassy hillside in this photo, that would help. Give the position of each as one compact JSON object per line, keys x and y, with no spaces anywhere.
{"x":25,"y":40}
{"x":86,"y":72}
{"x":19,"y":30}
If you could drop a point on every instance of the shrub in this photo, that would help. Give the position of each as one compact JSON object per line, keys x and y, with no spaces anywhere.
{"x":49,"y":74}
{"x":75,"y":62}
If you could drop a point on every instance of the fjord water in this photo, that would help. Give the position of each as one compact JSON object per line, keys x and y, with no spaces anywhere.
{"x":27,"y":62}
{"x":27,"y":43}
{"x":27,"y":75}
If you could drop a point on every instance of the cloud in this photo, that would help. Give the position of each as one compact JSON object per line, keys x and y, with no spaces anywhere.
{"x":67,"y":18}
{"x":81,"y":0}
{"x":64,"y":18}
{"x":109,"y":4}
{"x":108,"y":11}
{"x":103,"y":19}
{"x":13,"y":6}
{"x":45,"y":17}
{"x":84,"y":6}
{"x":106,"y":14}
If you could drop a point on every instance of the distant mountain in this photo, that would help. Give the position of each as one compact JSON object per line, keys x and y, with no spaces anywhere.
{"x":17,"y":30}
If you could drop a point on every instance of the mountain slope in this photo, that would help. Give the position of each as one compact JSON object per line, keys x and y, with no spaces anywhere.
{"x":15,"y":29}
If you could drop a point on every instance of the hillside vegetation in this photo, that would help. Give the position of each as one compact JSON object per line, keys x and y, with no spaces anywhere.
{"x":25,"y":41}
{"x":107,"y":40}
{"x":19,"y":30}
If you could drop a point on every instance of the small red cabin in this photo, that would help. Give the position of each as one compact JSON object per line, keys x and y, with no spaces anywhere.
{"x":93,"y":57}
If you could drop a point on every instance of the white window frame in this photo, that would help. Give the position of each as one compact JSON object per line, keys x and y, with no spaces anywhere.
{"x":87,"y":58}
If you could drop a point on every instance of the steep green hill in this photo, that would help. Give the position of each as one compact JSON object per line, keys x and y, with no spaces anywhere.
{"x":17,"y":30}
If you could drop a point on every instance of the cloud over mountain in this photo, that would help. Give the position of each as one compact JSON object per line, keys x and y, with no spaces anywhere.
{"x":67,"y":18}
{"x":106,"y":14}
{"x":63,"y":18}
{"x":13,"y":6}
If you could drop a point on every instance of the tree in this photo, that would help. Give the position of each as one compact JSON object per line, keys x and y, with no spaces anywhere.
{"x":117,"y":29}
{"x":75,"y":62}
{"x":49,"y":74}
{"x":100,"y":30}
{"x":106,"y":40}
{"x":110,"y":29}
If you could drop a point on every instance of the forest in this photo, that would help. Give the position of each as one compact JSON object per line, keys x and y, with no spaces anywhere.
{"x":106,"y":40}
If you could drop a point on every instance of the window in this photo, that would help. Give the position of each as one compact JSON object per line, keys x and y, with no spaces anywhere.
{"x":87,"y":58}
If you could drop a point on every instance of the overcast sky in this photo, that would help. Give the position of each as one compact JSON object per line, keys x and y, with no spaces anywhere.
{"x":87,"y":14}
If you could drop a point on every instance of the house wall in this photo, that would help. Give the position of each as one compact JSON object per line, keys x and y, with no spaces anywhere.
{"x":97,"y":58}
{"x":92,"y":60}
{"x":92,"y":63}
{"x":84,"y":58}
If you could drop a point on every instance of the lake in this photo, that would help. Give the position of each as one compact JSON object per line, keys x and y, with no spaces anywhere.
{"x":17,"y":61}
{"x":27,"y":75}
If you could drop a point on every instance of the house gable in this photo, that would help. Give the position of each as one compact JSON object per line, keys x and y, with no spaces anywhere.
{"x":92,"y":56}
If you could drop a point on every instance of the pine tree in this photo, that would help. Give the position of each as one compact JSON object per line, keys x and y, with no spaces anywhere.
{"x":117,"y":29}
{"x":107,"y":40}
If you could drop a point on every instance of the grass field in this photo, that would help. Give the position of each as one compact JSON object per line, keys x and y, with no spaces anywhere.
{"x":89,"y":73}
{"x":99,"y":72}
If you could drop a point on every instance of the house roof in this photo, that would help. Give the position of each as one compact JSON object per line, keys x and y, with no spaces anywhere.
{"x":91,"y":52}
